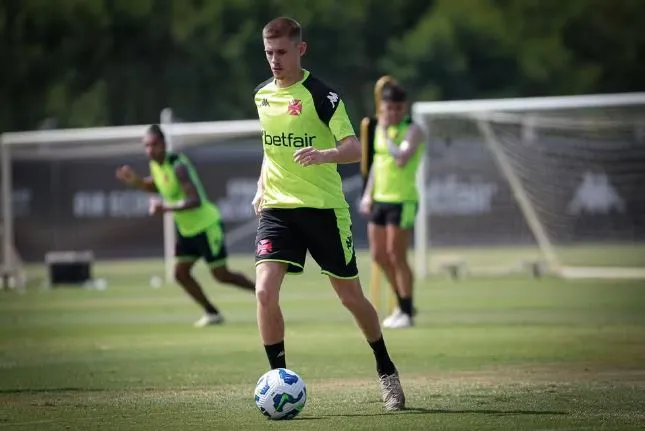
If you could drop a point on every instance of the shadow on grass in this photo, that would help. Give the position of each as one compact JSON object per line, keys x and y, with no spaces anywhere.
{"x":46,"y":390}
{"x":309,"y":418}
{"x":423,"y":411}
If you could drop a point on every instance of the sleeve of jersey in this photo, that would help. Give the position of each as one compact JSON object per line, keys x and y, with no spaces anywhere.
{"x":339,"y":123}
{"x":174,"y":159}
{"x":179,"y":161}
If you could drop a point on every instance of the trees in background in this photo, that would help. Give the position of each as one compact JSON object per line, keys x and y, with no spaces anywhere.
{"x":78,"y":63}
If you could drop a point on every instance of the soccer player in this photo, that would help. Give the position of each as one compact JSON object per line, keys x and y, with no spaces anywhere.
{"x":391,"y":198}
{"x":199,"y":228}
{"x":300,"y":201}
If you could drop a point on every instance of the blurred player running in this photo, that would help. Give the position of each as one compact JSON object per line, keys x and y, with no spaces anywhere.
{"x":391,"y":198}
{"x":199,"y":228}
{"x":300,"y":200}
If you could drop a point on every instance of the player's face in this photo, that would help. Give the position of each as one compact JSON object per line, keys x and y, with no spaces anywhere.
{"x":154,"y":147}
{"x":392,"y":112}
{"x":283,"y":55}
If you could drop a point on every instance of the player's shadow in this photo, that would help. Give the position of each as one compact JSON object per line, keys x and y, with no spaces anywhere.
{"x":309,"y":418}
{"x":493,"y":412}
{"x":47,"y":390}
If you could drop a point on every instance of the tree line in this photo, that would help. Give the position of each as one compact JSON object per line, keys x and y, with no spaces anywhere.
{"x":82,"y":63}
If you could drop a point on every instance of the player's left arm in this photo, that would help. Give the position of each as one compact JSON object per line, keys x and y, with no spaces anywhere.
{"x":403,"y":153}
{"x":347,"y":151}
{"x":348,"y":148}
{"x":190,"y":191}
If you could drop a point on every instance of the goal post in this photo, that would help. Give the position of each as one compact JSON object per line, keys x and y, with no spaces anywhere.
{"x":89,"y":146}
{"x":169,"y":235}
{"x":561,"y":175}
{"x":11,"y":268}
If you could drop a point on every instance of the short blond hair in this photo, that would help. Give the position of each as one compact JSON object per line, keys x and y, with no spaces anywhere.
{"x":281,"y":27}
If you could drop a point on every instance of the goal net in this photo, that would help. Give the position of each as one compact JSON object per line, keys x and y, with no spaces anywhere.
{"x":550,"y":184}
{"x":59,"y":191}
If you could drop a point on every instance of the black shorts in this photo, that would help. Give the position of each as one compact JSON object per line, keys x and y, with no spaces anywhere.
{"x":394,"y":214}
{"x":208,"y":245}
{"x":285,"y":235}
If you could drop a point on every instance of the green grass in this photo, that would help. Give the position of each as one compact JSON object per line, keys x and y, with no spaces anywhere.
{"x":507,"y":353}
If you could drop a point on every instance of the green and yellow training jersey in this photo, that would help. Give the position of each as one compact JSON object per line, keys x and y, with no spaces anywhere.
{"x":305,"y":114}
{"x":394,"y":184}
{"x":191,"y":221}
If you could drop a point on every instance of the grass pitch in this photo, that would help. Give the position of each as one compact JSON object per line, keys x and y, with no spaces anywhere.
{"x":507,"y":353}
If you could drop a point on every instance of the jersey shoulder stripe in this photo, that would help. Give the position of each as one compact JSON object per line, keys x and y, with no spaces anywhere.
{"x":326,"y":99}
{"x":173,"y":158}
{"x":179,"y":159}
{"x":262,"y":85}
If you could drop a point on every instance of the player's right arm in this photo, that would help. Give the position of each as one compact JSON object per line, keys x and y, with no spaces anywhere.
{"x":403,"y":153}
{"x":126,"y":174}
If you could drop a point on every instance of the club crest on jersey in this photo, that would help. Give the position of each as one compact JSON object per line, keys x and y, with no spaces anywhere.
{"x":295,"y":107}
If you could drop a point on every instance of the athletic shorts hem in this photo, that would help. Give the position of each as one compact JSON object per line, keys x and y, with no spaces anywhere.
{"x":397,"y":214}
{"x":216,"y":263}
{"x":207,"y":244}
{"x":186,"y":258}
{"x":331,"y":274}
{"x":299,"y":268}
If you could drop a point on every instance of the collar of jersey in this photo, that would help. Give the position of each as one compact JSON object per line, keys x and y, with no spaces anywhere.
{"x":304,"y":76}
{"x":165,"y":159}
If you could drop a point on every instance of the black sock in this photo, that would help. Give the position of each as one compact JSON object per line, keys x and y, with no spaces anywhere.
{"x":276,"y":355}
{"x":406,"y":306}
{"x":384,"y":365}
{"x":398,"y":299}
{"x":211,"y":309}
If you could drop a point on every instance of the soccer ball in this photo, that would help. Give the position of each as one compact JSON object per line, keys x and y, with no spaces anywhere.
{"x":280,"y":394}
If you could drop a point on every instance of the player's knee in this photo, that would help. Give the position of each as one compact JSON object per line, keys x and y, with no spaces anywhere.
{"x":265,"y":296}
{"x":268,"y":282}
{"x":380,"y":256}
{"x":395,"y":257}
{"x":222,"y":275}
{"x":351,"y":301}
{"x":351,"y":298}
{"x":182,"y":275}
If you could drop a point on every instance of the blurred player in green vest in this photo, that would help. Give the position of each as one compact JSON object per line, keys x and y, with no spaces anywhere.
{"x":391,"y":198}
{"x":200,"y":233}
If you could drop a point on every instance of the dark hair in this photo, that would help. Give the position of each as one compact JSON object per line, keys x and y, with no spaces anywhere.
{"x":281,"y":27}
{"x":155,"y":130}
{"x":393,"y":93}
